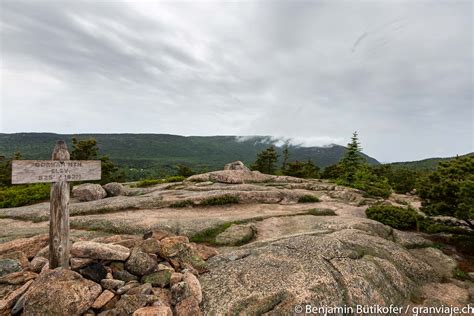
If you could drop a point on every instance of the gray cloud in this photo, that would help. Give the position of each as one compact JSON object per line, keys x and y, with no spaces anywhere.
{"x":401,"y":73}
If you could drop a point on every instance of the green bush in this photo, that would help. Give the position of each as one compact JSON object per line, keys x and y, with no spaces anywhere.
{"x":220,"y":200}
{"x":308,"y":198}
{"x":321,"y":212}
{"x":396,"y":217}
{"x":23,"y":194}
{"x":147,"y":183}
{"x":183,"y":203}
{"x":150,"y":182}
{"x":450,"y":190}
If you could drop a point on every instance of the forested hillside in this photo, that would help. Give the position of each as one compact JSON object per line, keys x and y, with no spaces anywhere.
{"x":425,"y":164}
{"x":146,"y":155}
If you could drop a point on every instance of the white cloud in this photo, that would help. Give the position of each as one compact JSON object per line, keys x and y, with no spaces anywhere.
{"x":401,"y":73}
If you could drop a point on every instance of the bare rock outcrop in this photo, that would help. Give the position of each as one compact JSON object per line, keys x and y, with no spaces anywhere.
{"x":349,"y":266}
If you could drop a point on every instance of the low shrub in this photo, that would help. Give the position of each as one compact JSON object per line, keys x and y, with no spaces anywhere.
{"x":150,"y":182}
{"x":147,"y":183}
{"x":308,"y":198}
{"x":20,"y":195}
{"x":220,"y":200}
{"x":183,"y":203}
{"x":209,"y":235}
{"x":174,"y":179}
{"x":396,"y":217}
{"x":321,"y":212}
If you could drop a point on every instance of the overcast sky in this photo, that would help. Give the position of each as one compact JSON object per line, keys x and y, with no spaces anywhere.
{"x":400,"y":73}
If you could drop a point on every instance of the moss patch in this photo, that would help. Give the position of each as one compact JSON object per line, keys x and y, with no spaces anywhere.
{"x":220,"y":200}
{"x":308,"y":198}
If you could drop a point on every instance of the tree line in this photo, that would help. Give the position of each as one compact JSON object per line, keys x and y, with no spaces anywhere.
{"x":448,"y":190}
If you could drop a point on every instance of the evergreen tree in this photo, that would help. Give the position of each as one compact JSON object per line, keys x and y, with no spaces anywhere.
{"x":286,"y":156}
{"x":87,"y":149}
{"x":266,"y":161}
{"x":302,"y":169}
{"x":332,"y":172}
{"x":352,"y":160}
{"x":84,"y":149}
{"x":184,"y":171}
{"x":450,"y":190}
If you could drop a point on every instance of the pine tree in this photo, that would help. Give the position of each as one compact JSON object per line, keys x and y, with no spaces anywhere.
{"x":266,"y":161}
{"x":87,"y":149}
{"x":286,"y":156}
{"x":352,"y":159}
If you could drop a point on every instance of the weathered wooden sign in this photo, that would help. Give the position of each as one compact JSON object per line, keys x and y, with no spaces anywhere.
{"x":60,"y":170}
{"x":38,"y":171}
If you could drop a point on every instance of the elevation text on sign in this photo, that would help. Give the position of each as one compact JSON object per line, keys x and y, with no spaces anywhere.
{"x":38,"y":171}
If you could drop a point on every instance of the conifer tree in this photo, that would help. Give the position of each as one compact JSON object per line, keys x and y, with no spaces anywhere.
{"x":266,"y":161}
{"x":286,"y":156}
{"x":352,"y":160}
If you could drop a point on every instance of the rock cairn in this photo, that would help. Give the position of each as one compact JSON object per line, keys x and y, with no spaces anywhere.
{"x":115,"y":275}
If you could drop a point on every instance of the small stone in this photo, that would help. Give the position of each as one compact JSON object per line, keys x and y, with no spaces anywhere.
{"x":150,"y":245}
{"x":188,"y":306}
{"x":160,"y":278}
{"x":95,"y":272}
{"x":30,"y":246}
{"x":203,"y":251}
{"x":37,"y":264}
{"x":18,"y":256}
{"x":164,"y":266}
{"x":11,"y":300}
{"x":18,"y":277}
{"x":236,"y":234}
{"x":193,"y":286}
{"x":236,"y":165}
{"x":171,"y":246}
{"x":60,"y":292}
{"x":114,"y":189}
{"x":77,"y":263}
{"x":43,"y":252}
{"x":127,"y":287}
{"x":124,"y":276}
{"x":95,"y":250}
{"x":130,"y":303}
{"x":111,"y":284}
{"x":158,"y":234}
{"x":141,"y":289}
{"x":88,"y":192}
{"x":154,"y":311}
{"x":117,"y":266}
{"x":103,"y":299}
{"x":164,"y":296}
{"x":111,"y":304}
{"x":176,"y":277}
{"x":471,"y":275}
{"x":8,"y":266}
{"x":18,"y":307}
{"x":140,"y":263}
{"x":129,"y":243}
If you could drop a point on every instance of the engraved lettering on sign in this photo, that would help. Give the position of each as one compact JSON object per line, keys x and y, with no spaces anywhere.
{"x":36,"y":171}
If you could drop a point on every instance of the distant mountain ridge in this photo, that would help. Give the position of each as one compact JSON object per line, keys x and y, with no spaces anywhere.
{"x":166,"y":151}
{"x":424,"y":164}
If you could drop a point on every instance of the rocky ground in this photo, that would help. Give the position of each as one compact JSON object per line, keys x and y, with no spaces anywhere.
{"x":145,"y":251}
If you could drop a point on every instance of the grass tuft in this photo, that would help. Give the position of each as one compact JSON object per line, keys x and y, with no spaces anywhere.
{"x":220,"y":200}
{"x":308,"y":198}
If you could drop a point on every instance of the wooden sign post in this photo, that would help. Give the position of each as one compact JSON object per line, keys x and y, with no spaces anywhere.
{"x":59,"y":171}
